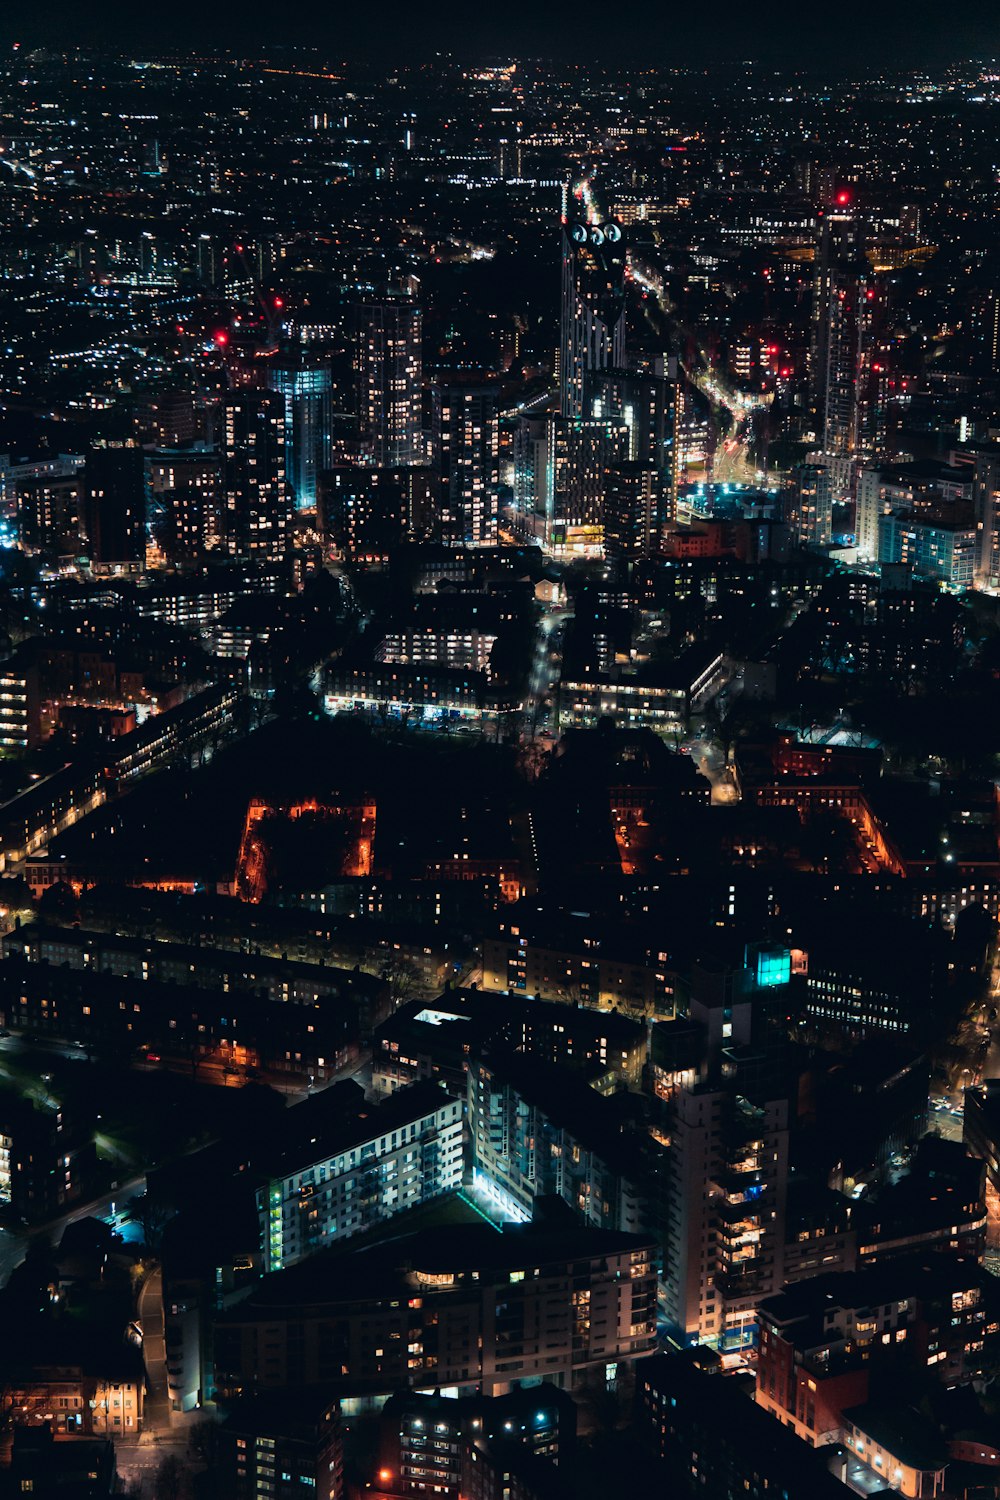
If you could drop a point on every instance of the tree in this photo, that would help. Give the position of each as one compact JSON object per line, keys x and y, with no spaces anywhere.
{"x":152,"y":1218}
{"x":403,"y":978}
{"x":168,"y":1479}
{"x":59,"y":904}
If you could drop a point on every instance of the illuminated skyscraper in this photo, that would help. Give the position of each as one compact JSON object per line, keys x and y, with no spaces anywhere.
{"x":388,"y":363}
{"x":580,"y":455}
{"x":986,"y":500}
{"x":308,"y":396}
{"x":726,"y":1212}
{"x":635,"y":511}
{"x":592,"y":335}
{"x":466,"y":460}
{"x":848,"y":364}
{"x":255,"y":510}
{"x":646,"y":402}
{"x":813,"y":501}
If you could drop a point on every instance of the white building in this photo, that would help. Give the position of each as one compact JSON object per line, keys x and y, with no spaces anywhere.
{"x":388,"y":1158}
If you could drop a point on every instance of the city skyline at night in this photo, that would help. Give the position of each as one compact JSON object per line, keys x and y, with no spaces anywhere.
{"x":499,"y":754}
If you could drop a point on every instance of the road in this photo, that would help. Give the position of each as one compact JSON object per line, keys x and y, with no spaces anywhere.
{"x":113,"y":1207}
{"x":156,"y":1413}
{"x":138,"y":1459}
{"x":538,"y":713}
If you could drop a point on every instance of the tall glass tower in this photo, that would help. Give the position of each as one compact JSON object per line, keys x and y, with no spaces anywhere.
{"x":307,"y":391}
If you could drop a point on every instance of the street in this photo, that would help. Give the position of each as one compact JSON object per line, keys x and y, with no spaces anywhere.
{"x":539,"y":705}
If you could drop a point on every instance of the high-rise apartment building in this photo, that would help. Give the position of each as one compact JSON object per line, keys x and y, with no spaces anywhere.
{"x":364,"y":512}
{"x":185,"y":488}
{"x":813,"y":502}
{"x":255,"y":508}
{"x":276,"y":1445}
{"x":986,"y":502}
{"x":592,"y":331}
{"x":646,"y":403}
{"x":536,"y":1132}
{"x":428,"y":1442}
{"x":465,"y":446}
{"x":388,"y":364}
{"x":114,"y":507}
{"x":307,"y":390}
{"x":466,"y":1306}
{"x":332,"y":1184}
{"x":848,"y":362}
{"x":636,"y":511}
{"x":728,"y":1167}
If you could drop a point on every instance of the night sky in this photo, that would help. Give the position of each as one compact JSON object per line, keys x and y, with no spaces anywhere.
{"x":855,"y":34}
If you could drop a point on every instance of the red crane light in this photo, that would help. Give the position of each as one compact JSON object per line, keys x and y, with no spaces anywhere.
{"x":279,"y":303}
{"x":221,"y":338}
